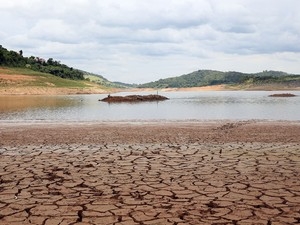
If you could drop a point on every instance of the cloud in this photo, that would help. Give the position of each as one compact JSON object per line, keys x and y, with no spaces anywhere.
{"x":54,"y":30}
{"x":137,"y":40}
{"x":153,"y":15}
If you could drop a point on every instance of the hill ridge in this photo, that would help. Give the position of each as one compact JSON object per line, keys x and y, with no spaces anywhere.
{"x":206,"y":77}
{"x":199,"y":78}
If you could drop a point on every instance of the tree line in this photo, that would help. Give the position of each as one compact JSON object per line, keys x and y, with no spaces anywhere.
{"x":211,"y":77}
{"x":16,"y":59}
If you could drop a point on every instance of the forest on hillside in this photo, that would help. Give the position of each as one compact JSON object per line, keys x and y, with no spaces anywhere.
{"x":212,"y":77}
{"x":11,"y":58}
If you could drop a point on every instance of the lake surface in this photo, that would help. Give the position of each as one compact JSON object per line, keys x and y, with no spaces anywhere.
{"x":208,"y":105}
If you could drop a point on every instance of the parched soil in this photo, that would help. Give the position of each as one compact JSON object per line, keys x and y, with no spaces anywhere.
{"x":137,"y":173}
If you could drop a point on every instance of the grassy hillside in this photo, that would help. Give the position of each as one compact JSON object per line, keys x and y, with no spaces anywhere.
{"x":27,"y":77}
{"x":211,"y":77}
{"x":98,"y":79}
{"x":27,"y":81}
{"x":17,"y":71}
{"x":11,"y":58}
{"x":21,"y":73}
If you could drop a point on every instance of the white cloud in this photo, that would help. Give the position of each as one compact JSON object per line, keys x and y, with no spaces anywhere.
{"x":54,"y":30}
{"x":139,"y":41}
{"x":154,"y":14}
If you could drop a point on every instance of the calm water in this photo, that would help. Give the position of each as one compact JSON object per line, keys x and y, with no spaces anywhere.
{"x":211,"y":105}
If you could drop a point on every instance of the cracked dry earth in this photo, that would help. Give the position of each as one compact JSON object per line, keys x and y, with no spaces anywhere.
{"x":191,"y":175}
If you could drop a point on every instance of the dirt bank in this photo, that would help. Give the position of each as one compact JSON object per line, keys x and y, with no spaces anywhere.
{"x":50,"y":91}
{"x":12,"y":83}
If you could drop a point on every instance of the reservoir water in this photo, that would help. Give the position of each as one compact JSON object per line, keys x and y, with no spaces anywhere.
{"x":207,"y":105}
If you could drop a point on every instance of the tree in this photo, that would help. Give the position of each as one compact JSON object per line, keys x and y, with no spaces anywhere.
{"x":2,"y":58}
{"x":16,"y":59}
{"x":50,"y":61}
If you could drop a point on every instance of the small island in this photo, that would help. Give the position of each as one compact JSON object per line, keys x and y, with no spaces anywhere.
{"x":282,"y":95}
{"x":133,"y":98}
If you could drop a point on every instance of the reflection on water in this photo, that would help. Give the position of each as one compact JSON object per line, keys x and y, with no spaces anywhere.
{"x":19,"y":103}
{"x":210,"y":105}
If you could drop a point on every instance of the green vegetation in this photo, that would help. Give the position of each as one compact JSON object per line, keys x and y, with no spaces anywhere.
{"x":47,"y":73}
{"x":125,"y":85}
{"x":98,"y":79}
{"x":16,"y":59}
{"x":211,"y":77}
{"x":37,"y":79}
{"x":16,"y":63}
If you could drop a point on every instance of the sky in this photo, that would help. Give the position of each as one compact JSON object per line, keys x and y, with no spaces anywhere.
{"x":138,"y":41}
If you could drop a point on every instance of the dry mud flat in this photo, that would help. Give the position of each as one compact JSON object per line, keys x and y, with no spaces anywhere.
{"x":154,"y":173}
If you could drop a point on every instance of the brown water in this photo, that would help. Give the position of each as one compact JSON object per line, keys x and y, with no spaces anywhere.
{"x":210,"y":105}
{"x":21,"y":103}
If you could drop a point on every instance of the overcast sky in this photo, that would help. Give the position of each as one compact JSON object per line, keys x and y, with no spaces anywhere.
{"x":137,"y":41}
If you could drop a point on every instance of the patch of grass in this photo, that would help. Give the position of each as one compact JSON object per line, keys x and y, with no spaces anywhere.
{"x":94,"y":78}
{"x":40,"y":79}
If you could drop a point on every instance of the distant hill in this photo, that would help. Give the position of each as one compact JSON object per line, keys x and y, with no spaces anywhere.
{"x":238,"y":80}
{"x":34,"y":75}
{"x":12,"y":59}
{"x":15,"y":81}
{"x":16,"y":59}
{"x":104,"y":82}
{"x":126,"y":85}
{"x":212,"y":77}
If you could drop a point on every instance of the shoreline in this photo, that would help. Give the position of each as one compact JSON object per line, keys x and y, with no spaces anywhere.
{"x":133,"y":173}
{"x":94,"y":90}
{"x":156,"y":131}
{"x":35,"y":91}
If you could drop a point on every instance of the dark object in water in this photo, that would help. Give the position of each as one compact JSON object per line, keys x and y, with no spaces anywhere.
{"x":134,"y":98}
{"x":282,"y":95}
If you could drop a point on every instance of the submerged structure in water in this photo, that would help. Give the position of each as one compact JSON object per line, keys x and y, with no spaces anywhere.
{"x":282,"y":95}
{"x":133,"y":98}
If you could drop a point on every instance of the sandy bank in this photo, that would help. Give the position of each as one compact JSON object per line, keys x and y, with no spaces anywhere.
{"x":49,"y":91}
{"x":223,"y":87}
{"x":98,"y":90}
{"x":95,"y":90}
